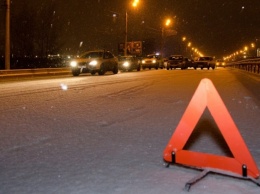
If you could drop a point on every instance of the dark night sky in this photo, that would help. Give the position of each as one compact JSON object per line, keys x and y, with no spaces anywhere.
{"x":216,"y":27}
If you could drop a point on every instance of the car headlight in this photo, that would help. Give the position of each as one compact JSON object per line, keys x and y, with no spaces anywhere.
{"x":73,"y":64}
{"x":154,"y":61}
{"x":93,"y":63}
{"x":223,"y":64}
{"x":126,"y":64}
{"x":143,"y":61}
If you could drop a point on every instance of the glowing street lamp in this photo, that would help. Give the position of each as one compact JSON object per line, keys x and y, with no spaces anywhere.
{"x":135,"y":3}
{"x":166,"y":24}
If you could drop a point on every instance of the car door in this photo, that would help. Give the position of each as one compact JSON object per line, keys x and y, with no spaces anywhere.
{"x":110,"y":60}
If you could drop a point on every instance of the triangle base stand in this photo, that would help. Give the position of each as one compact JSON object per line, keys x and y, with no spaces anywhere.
{"x":206,"y":171}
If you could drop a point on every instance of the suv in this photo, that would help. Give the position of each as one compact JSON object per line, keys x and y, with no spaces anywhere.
{"x":94,"y":62}
{"x":128,"y":63}
{"x":204,"y":62}
{"x":153,"y":61}
{"x":176,"y":61}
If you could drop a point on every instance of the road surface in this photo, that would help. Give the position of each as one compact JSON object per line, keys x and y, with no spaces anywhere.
{"x":106,"y":134}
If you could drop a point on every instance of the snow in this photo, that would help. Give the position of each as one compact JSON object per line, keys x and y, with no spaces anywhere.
{"x":106,"y":134}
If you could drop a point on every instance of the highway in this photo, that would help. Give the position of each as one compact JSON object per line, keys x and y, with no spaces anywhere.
{"x":106,"y":134}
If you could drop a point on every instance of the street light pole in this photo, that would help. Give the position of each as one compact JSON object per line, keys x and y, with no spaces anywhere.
{"x":167,"y":23}
{"x":134,"y":4}
{"x":7,"y":36}
{"x":126,"y":23}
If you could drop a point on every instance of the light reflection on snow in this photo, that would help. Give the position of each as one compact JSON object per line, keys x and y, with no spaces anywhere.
{"x":64,"y":86}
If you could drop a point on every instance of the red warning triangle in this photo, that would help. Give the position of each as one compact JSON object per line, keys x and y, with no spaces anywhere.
{"x":206,"y":96}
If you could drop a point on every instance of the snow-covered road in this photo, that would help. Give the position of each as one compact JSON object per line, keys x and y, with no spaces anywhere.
{"x":106,"y":134}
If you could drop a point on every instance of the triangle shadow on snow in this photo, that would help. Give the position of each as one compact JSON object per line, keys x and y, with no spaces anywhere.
{"x":206,"y":136}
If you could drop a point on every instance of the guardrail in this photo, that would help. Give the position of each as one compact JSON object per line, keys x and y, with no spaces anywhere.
{"x":36,"y":71}
{"x":250,"y":65}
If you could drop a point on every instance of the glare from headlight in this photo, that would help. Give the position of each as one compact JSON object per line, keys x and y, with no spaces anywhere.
{"x":73,"y":63}
{"x":126,"y":64}
{"x":93,"y":63}
{"x":154,"y":61}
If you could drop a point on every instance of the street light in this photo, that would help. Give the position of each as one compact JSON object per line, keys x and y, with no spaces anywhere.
{"x":134,"y":4}
{"x":166,"y":24}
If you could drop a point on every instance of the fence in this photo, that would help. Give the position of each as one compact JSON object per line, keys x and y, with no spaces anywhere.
{"x":250,"y":65}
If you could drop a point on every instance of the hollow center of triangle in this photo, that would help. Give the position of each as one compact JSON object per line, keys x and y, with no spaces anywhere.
{"x":207,"y":138}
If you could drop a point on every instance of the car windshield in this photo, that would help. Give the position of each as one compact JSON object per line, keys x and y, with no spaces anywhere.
{"x":125,"y":58}
{"x":91,"y":55}
{"x":153,"y":56}
{"x":176,"y":58}
{"x":205,"y":58}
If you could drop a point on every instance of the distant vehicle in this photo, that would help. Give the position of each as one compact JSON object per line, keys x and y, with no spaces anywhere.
{"x":176,"y":61}
{"x":94,"y":62}
{"x":205,"y":62}
{"x":220,"y":63}
{"x":153,"y":61}
{"x":129,"y":63}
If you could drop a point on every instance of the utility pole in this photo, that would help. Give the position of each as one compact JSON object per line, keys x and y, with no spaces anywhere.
{"x":126,"y":23}
{"x":7,"y":36}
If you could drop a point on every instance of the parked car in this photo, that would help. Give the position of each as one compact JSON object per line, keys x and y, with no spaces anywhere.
{"x":129,"y":63}
{"x":176,"y":61}
{"x":153,"y":61}
{"x":93,"y":62}
{"x":205,"y":62}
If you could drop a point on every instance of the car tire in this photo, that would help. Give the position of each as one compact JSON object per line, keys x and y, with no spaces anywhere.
{"x":138,"y":68}
{"x":115,"y":70}
{"x":75,"y":72}
{"x":101,"y":71}
{"x":93,"y":72}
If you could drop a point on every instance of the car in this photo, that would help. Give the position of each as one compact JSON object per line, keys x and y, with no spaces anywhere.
{"x":176,"y":61}
{"x":204,"y":62}
{"x":153,"y":61}
{"x":129,"y":63}
{"x":99,"y":61}
{"x":220,"y":63}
